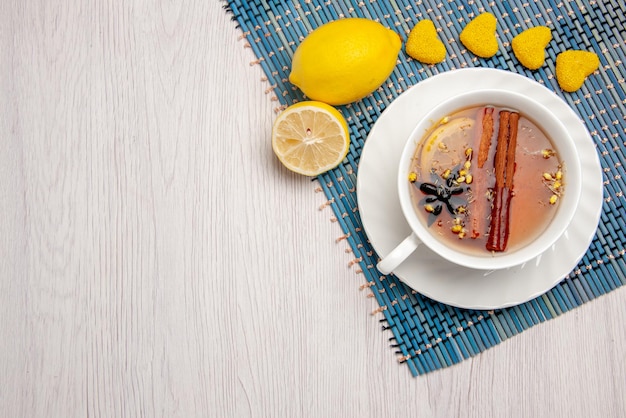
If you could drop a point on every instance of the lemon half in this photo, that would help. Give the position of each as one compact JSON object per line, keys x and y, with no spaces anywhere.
{"x":310,"y":138}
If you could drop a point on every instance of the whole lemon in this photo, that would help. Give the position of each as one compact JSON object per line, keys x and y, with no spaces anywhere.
{"x":344,"y":60}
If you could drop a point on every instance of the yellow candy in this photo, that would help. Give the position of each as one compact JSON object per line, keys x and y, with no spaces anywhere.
{"x":530,"y":46}
{"x":573,"y":67}
{"x":424,"y":45}
{"x":479,"y":35}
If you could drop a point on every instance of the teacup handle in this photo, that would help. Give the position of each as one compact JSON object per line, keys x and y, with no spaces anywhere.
{"x":398,"y":254}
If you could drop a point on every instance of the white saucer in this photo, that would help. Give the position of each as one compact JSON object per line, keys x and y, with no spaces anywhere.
{"x":426,"y":272}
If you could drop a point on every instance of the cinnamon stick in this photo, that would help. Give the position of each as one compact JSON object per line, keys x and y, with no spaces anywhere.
{"x":480,"y":209}
{"x":478,"y":215}
{"x":499,"y":229}
{"x":485,"y":136}
{"x":501,"y":148}
{"x":510,"y":155}
{"x":504,"y":166}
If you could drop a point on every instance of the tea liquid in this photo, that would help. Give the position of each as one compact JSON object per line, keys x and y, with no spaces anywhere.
{"x":455,"y":197}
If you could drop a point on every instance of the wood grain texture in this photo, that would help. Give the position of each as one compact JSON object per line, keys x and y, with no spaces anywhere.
{"x":157,"y":261}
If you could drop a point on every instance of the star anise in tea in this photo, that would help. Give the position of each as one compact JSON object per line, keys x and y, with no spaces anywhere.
{"x":443,"y":192}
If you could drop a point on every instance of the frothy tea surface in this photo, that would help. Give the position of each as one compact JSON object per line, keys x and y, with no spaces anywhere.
{"x":486,"y":180}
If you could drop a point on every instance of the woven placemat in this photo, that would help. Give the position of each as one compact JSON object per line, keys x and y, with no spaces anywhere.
{"x":428,"y":335}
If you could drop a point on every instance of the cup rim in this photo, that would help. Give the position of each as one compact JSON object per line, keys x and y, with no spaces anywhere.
{"x":561,"y":140}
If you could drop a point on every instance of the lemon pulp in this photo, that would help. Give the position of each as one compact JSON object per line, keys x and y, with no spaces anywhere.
{"x":310,"y":138}
{"x":445,"y":146}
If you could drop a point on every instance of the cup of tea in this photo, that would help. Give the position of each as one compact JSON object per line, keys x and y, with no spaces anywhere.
{"x":488,"y":179}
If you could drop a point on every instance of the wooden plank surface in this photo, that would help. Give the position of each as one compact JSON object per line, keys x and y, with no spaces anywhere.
{"x":157,"y":261}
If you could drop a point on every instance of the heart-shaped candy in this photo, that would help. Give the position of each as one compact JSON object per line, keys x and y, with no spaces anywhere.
{"x":573,"y":67}
{"x":424,"y":45}
{"x":530,"y":46}
{"x":479,"y":35}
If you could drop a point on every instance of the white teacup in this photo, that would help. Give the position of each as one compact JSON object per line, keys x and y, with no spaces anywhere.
{"x":565,"y":148}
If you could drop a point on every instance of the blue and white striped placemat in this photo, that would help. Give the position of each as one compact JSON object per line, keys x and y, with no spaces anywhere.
{"x":428,"y":335}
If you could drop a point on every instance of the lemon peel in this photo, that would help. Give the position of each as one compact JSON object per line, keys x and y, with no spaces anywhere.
{"x":479,"y":35}
{"x":573,"y":68}
{"x":344,"y":60}
{"x":424,"y":45}
{"x":310,"y":138}
{"x":529,"y":46}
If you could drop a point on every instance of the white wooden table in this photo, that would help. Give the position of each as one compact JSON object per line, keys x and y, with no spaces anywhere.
{"x":157,"y":261}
